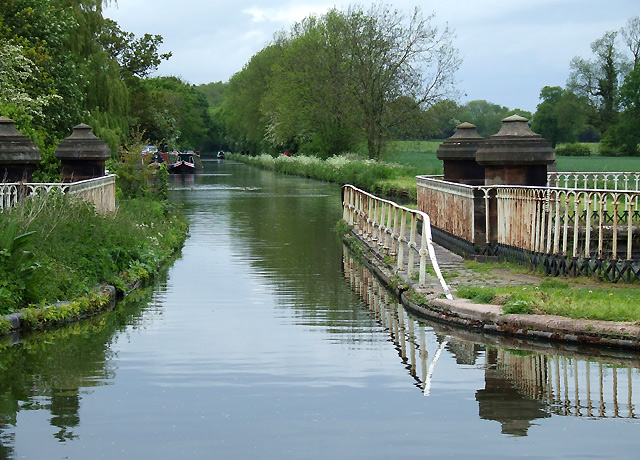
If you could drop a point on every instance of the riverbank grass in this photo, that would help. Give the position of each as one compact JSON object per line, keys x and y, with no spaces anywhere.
{"x":70,"y":249}
{"x":394,"y":176}
{"x":562,"y":297}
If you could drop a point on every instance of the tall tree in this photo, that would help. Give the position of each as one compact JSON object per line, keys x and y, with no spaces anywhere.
{"x":214,"y":92}
{"x":356,"y":74}
{"x":16,"y":73}
{"x":487,"y":116}
{"x":631,"y":36}
{"x":561,"y":115}
{"x":244,"y":123}
{"x":393,"y":57}
{"x":175,"y":115}
{"x":598,"y":79}
{"x":41,"y":33}
{"x":138,"y":57}
{"x":309,"y":104}
{"x":624,"y":137}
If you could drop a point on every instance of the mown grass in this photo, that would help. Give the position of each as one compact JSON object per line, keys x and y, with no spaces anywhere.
{"x":559,"y":297}
{"x":597,"y":163}
{"x":420,"y":155}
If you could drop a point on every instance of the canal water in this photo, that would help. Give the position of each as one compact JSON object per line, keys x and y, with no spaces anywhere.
{"x":267,"y":339}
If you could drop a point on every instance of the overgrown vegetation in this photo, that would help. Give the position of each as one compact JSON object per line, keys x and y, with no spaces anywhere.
{"x":342,"y":169}
{"x":55,"y":247}
{"x":396,"y":177}
{"x":73,"y":249}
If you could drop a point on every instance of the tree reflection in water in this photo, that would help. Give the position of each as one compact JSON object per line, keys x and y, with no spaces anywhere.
{"x":48,"y":370}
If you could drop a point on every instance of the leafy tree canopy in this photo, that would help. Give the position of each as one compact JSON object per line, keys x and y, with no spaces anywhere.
{"x":561,"y":115}
{"x":339,"y":79}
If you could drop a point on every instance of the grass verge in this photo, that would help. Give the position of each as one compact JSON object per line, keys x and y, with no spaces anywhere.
{"x":562,"y":298}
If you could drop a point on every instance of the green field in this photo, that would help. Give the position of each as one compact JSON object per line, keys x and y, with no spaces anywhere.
{"x":417,"y":154}
{"x":422,"y":155}
{"x":598,"y":163}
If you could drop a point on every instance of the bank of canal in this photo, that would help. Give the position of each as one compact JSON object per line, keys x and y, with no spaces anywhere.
{"x":267,"y":340}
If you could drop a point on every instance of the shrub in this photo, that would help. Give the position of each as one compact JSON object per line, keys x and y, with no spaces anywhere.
{"x":573,"y":150}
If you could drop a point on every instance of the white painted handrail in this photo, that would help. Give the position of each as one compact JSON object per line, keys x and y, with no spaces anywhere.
{"x":629,"y":181}
{"x":383,"y":224}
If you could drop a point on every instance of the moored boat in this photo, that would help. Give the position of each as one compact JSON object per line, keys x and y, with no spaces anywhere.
{"x":188,"y":162}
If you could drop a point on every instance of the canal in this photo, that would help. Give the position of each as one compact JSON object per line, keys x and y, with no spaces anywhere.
{"x":266,"y":339}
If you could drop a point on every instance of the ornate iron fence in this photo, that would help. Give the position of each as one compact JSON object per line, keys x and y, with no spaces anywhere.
{"x":569,"y":230}
{"x":629,"y":181}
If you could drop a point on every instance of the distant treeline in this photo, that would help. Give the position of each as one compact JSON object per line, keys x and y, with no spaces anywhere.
{"x":347,"y":81}
{"x":314,"y":90}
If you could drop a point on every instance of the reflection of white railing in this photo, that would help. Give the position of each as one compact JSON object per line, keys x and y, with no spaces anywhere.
{"x":570,"y":222}
{"x":100,"y":191}
{"x":571,"y":384}
{"x":595,"y":180}
{"x":383,"y":224}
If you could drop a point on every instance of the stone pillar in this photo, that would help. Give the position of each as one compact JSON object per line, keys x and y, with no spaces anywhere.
{"x":82,"y":155}
{"x":458,"y":154}
{"x":19,"y":155}
{"x":516,"y":155}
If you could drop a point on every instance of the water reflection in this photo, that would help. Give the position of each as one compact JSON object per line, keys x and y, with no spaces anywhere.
{"x":257,"y":346}
{"x":51,"y":371}
{"x":524,"y":381}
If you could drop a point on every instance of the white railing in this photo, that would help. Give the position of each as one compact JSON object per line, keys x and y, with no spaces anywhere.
{"x":8,"y":195}
{"x":629,"y":181}
{"x":100,"y":191}
{"x":11,"y":193}
{"x":570,"y":222}
{"x":383,"y":224}
{"x":574,"y":219}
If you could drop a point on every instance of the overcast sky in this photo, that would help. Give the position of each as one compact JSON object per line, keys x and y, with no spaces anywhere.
{"x":511,"y":49}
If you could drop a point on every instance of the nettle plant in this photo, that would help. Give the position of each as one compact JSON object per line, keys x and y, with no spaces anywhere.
{"x":18,"y":267}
